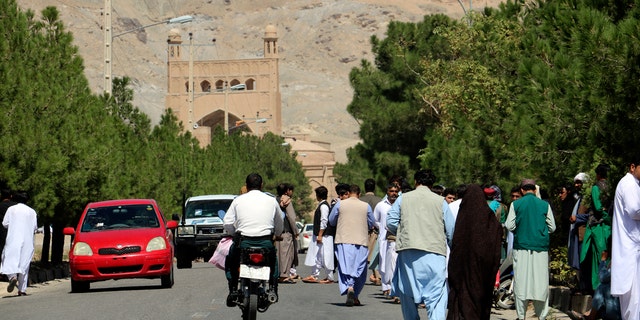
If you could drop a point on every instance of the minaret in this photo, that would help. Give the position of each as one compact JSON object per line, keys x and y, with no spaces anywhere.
{"x":270,"y":42}
{"x":174,"y":54}
{"x":174,"y":41}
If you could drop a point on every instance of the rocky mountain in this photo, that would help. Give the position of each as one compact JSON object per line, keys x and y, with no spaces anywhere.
{"x":319,"y":42}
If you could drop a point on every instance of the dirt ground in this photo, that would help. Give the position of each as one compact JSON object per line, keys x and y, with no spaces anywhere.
{"x":38,"y":237}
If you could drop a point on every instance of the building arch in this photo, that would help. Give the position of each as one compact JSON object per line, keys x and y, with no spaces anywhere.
{"x":205,"y":86}
{"x":250,"y":84}
{"x":219,"y":85}
{"x":216,"y":118}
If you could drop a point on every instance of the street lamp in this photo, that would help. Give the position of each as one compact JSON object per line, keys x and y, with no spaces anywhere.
{"x":243,"y":123}
{"x":108,"y":37}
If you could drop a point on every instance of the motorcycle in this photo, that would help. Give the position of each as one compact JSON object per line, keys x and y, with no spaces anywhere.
{"x":255,"y":293}
{"x":503,"y":295}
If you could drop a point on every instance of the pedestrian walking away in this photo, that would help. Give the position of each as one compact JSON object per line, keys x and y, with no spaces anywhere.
{"x":21,"y":223}
{"x":474,"y":259}
{"x":424,"y":226}
{"x":531,"y":221}
{"x":353,"y":219}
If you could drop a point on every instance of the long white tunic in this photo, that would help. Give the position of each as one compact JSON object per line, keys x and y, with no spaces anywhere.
{"x":380,"y":216}
{"x":625,"y":253}
{"x":21,"y":223}
{"x":321,"y":255}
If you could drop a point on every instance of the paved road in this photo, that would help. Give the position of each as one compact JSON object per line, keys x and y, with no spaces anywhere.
{"x":198,"y":293}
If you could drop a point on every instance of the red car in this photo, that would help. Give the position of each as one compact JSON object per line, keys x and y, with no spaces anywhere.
{"x":120,"y":239}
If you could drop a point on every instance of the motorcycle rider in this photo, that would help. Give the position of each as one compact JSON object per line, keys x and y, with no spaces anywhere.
{"x":254,"y":218}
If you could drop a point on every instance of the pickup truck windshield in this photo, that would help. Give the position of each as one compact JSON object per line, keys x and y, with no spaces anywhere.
{"x":206,"y":208}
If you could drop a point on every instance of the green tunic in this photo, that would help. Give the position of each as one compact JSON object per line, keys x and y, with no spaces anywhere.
{"x":527,"y":217}
{"x":598,"y":230}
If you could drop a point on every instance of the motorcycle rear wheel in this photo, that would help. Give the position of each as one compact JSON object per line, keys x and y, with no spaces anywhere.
{"x":504,"y":297}
{"x":250,"y":307}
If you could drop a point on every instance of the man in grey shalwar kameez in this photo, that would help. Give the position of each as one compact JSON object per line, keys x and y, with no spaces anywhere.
{"x":531,"y":220}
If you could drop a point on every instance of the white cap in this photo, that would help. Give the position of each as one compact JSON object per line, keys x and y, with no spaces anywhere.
{"x":581,"y":176}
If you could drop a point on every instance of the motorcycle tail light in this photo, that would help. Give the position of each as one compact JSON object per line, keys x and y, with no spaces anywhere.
{"x":256,"y":257}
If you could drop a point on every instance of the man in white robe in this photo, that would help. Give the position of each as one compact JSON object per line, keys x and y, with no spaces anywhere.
{"x":625,"y":251}
{"x":380,"y":216}
{"x":21,"y":223}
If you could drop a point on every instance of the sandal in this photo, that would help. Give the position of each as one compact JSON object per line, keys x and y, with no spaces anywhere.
{"x":356,"y":302}
{"x":396,"y":300}
{"x":310,"y":279}
{"x":351,"y":298}
{"x":325,"y":281}
{"x":285,"y":280}
{"x":13,"y":282}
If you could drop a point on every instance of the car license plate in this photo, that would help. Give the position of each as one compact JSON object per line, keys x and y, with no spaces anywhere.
{"x":254,"y":272}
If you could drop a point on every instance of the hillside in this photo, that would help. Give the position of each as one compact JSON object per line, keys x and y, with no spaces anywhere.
{"x":319,"y":41}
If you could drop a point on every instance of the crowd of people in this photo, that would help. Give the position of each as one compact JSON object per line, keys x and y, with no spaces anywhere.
{"x":427,"y":246}
{"x":440,"y":248}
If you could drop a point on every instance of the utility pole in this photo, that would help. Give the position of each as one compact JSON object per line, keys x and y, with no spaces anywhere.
{"x":107,"y":46}
{"x":191,"y":125}
{"x":226,"y":108}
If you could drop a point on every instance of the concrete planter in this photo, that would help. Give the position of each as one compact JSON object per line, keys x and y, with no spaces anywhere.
{"x":560,"y":298}
{"x":40,"y":274}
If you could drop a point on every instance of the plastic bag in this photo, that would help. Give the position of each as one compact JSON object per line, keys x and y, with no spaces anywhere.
{"x":222,"y":250}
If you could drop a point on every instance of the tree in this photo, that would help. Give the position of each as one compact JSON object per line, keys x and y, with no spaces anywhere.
{"x":536,"y":89}
{"x":68,"y":147}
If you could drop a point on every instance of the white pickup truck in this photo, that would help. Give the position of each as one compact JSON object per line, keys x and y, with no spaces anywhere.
{"x":200,"y":228}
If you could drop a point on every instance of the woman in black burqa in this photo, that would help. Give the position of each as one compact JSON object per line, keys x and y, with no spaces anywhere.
{"x":474,"y":259}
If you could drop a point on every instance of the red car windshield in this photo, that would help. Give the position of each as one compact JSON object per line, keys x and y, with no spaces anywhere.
{"x":120,"y":217}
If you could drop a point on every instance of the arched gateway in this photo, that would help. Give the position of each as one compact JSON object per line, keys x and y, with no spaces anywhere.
{"x":233,"y":94}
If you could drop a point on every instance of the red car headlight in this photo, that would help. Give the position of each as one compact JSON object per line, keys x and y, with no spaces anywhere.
{"x":82,"y":249}
{"x":156,"y":243}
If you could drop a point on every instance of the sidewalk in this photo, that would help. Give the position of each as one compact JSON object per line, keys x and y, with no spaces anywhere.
{"x":561,"y":301}
{"x":554,"y":314}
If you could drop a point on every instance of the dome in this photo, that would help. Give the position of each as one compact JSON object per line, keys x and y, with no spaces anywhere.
{"x":270,"y":32}
{"x":174,"y":35}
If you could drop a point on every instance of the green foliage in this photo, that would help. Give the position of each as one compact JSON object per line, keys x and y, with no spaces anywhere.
{"x":67,"y":146}
{"x":561,"y":273}
{"x":537,"y":89}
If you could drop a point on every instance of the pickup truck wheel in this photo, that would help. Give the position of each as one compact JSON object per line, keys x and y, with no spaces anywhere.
{"x":184,"y":260}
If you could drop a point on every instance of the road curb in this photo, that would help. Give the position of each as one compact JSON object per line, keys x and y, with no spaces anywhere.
{"x":39,"y":273}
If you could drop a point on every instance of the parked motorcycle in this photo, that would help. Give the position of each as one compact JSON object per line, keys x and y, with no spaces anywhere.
{"x":255,"y":293}
{"x":503,"y":296}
